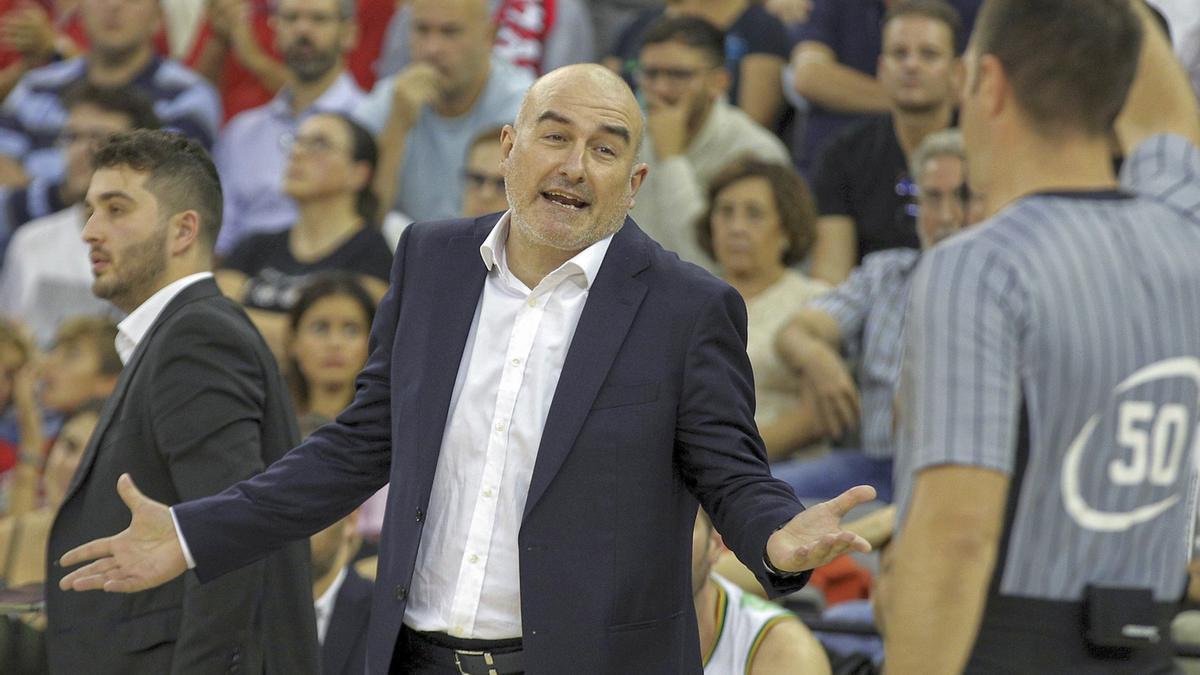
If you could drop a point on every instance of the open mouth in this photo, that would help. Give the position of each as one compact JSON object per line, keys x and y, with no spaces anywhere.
{"x":565,"y":200}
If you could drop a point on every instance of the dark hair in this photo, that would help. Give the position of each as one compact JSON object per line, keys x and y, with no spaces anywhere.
{"x":793,"y":201}
{"x":938,"y":10}
{"x":363,"y":149}
{"x":689,"y":31}
{"x":320,"y":286}
{"x":127,"y":101}
{"x":181,"y":175}
{"x":98,"y":331}
{"x":1070,"y":62}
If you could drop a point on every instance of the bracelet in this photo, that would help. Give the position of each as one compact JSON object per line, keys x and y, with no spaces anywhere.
{"x":775,"y":570}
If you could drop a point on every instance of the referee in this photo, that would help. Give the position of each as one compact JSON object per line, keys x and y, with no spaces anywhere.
{"x":1048,"y":401}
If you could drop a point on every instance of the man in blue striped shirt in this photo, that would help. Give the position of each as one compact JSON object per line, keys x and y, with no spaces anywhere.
{"x":1048,"y":399}
{"x":863,"y":318}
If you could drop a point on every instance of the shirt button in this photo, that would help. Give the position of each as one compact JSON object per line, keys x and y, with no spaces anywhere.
{"x":499,"y":426}
{"x":516,"y":362}
{"x":474,"y":559}
{"x":532,"y":302}
{"x":487,"y":492}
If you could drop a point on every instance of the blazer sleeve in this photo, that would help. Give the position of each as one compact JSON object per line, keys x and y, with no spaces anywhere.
{"x":720,"y":452}
{"x":334,"y":470}
{"x":207,"y":403}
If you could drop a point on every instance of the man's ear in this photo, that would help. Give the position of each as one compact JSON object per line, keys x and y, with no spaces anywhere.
{"x":183,"y":231}
{"x":993,"y":86}
{"x":349,"y":38}
{"x":636,"y":179}
{"x":507,"y":139}
{"x":719,"y":82}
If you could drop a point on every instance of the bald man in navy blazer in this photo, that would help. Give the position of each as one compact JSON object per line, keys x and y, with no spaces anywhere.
{"x":649,"y":408}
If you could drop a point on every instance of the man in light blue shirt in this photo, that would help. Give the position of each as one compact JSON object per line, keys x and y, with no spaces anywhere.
{"x":251,"y":155}
{"x":427,"y":115}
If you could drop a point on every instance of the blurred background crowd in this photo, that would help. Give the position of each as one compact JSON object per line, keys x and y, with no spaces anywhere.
{"x":803,"y":150}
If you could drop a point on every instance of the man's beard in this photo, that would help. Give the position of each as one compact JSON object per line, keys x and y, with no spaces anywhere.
{"x":603,"y":225}
{"x":144,"y":263}
{"x":312,"y":66}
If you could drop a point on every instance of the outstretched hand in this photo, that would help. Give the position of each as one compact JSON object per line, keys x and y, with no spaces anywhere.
{"x":815,"y":536}
{"x":144,"y":555}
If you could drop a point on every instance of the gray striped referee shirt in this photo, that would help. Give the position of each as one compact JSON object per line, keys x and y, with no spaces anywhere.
{"x":869,"y":310}
{"x":1059,"y":343}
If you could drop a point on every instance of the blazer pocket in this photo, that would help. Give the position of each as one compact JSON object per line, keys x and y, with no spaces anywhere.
{"x":616,"y":395}
{"x":643,"y":625}
{"x":148,"y":630}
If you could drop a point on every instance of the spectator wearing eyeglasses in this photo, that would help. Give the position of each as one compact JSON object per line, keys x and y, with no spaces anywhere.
{"x":692,"y":132}
{"x":46,"y":274}
{"x":313,"y":36}
{"x":483,"y":184}
{"x":330,"y":166}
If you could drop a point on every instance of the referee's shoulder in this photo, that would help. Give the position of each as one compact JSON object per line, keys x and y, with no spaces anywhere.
{"x":992,"y":249}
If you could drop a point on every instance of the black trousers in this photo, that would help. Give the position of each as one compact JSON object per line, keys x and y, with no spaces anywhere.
{"x":1026,"y":635}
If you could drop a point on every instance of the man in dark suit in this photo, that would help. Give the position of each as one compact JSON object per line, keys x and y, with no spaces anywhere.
{"x":341,"y":597}
{"x":199,"y":406}
{"x":543,"y":489}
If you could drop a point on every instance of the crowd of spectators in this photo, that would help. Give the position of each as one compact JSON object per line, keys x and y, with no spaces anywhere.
{"x":335,"y":123}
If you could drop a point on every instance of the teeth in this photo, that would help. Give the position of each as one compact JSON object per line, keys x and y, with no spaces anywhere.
{"x":565,"y":201}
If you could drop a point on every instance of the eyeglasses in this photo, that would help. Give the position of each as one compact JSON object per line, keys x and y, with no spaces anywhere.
{"x":476,"y":180}
{"x":672,"y":75}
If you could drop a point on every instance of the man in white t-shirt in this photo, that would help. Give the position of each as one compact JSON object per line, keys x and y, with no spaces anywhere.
{"x":740,"y":632}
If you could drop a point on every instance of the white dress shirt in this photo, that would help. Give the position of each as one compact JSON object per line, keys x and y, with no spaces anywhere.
{"x":133,"y":328}
{"x":466,"y":581}
{"x":323,"y":607}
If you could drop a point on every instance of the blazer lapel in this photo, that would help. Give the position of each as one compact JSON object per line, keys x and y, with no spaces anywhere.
{"x":200,"y":289}
{"x":612,"y":303}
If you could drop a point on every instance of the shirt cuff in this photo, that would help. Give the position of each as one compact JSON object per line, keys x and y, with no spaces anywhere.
{"x":187,"y":553}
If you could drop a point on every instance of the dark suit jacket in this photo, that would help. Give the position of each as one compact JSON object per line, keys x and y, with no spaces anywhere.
{"x":344,"y":651}
{"x":199,"y":406}
{"x":654,"y":409}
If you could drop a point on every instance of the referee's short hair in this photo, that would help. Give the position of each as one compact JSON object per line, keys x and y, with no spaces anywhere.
{"x":1070,"y":62}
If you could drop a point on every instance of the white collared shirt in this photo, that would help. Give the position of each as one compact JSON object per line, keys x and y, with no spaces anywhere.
{"x":323,"y":607}
{"x":133,"y":328}
{"x":466,"y":582}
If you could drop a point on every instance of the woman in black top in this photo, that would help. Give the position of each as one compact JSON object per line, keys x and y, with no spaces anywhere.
{"x":329,"y":174}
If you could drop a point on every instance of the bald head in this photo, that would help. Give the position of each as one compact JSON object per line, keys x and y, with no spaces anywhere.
{"x":591,"y":81}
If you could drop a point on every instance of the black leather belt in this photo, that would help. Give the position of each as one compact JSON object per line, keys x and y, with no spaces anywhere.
{"x":469,"y":657}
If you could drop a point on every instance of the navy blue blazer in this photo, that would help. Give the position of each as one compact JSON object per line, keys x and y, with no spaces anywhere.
{"x":654,"y":411}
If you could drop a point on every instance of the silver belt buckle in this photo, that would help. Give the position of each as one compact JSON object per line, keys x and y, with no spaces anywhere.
{"x":487,"y":658}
